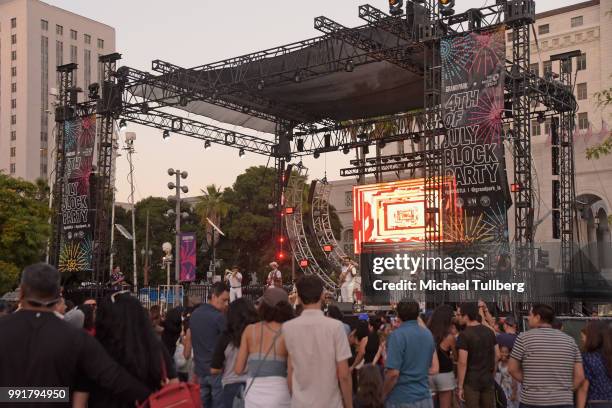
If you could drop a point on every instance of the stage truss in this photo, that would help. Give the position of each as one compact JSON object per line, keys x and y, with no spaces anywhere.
{"x":410,"y":42}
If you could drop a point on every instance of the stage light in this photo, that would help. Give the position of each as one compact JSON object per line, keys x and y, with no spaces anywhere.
{"x":207,"y":145}
{"x":289,"y":210}
{"x":316,"y":155}
{"x":382,"y":144}
{"x":183,"y":101}
{"x":541,"y":118}
{"x":395,"y":7}
{"x":304,"y":263}
{"x":328,"y":248}
{"x":122,"y":125}
{"x":350,"y":66}
{"x":166,"y":134}
{"x":327,"y":139}
{"x":241,"y":153}
{"x":515,"y":187}
{"x":280,"y":256}
{"x":94,"y":91}
{"x":300,"y":145}
{"x":144,"y":108}
{"x":365,"y":149}
{"x":261,"y":84}
{"x":346,"y":150}
{"x":446,"y":7}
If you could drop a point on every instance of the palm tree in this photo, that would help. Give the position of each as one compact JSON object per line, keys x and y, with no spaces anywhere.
{"x":211,"y":206}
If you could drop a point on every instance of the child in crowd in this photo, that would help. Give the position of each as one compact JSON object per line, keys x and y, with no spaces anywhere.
{"x":503,"y":378}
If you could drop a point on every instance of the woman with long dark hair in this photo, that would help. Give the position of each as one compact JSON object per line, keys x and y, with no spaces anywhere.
{"x":369,"y":391}
{"x":596,"y":390}
{"x":124,"y":329}
{"x":173,"y":325}
{"x":443,"y":383}
{"x":240,"y":313}
{"x":263,"y":346}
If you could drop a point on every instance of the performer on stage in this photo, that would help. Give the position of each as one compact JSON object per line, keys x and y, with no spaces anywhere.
{"x":275,"y":278}
{"x":234,"y":279}
{"x":347,"y":276}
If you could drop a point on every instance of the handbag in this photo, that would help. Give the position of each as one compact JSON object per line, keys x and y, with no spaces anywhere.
{"x":239,"y":399}
{"x":175,"y":395}
{"x":181,"y":363}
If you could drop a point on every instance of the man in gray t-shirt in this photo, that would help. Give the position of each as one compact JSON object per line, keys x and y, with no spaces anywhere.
{"x":318,"y":371}
{"x":547,"y":362}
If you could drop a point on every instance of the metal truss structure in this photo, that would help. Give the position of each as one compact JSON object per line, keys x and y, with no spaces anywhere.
{"x":321,"y":222}
{"x":296,"y":233}
{"x":411,"y":42}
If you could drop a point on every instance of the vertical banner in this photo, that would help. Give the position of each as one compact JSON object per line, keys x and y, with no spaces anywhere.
{"x":188,"y":257}
{"x":473,"y":71}
{"x":76,"y":246}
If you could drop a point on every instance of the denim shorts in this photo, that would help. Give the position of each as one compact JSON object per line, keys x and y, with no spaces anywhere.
{"x":442,"y":382}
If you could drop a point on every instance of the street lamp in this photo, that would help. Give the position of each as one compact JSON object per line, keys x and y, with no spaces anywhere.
{"x":129,"y":148}
{"x":176,"y":185}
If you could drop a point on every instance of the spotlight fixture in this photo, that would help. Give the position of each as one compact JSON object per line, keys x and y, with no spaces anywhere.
{"x":300,"y":145}
{"x":446,"y":7}
{"x":261,"y":84}
{"x":382,"y":143}
{"x":183,"y":101}
{"x":395,"y":7}
{"x":317,"y":155}
{"x":94,"y":90}
{"x":241,"y":153}
{"x":166,"y":134}
{"x":207,"y":145}
{"x":350,"y":66}
{"x":122,"y":125}
{"x":346,"y":150}
{"x":144,"y":108}
{"x":541,"y":118}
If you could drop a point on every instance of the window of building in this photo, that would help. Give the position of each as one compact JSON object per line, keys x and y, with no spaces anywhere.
{"x":347,"y":238}
{"x":14,"y":71}
{"x":535,"y":128}
{"x":581,"y":62}
{"x":13,"y":55}
{"x":12,"y":168}
{"x":44,"y":25}
{"x":59,"y":30}
{"x":583,"y":121}
{"x":59,"y":53}
{"x":544,"y":29}
{"x":87,"y":64}
{"x":535,"y":68}
{"x":581,"y":90}
{"x":100,"y":43}
{"x":348,"y":199}
{"x":14,"y":87}
{"x":566,"y":66}
{"x":73,"y":35}
{"x":13,"y":22}
{"x":87,"y":38}
{"x":14,"y":39}
{"x":13,"y":135}
{"x":13,"y":103}
{"x":73,"y":53}
{"x":547,"y":67}
{"x":13,"y":151}
{"x":13,"y":119}
{"x":577,"y":21}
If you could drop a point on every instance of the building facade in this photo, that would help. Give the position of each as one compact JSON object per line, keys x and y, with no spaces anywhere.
{"x":585,"y":27}
{"x":35,"y":38}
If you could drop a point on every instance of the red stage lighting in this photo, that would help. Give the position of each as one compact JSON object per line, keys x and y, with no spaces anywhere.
{"x":328,"y":248}
{"x":289,"y":210}
{"x":280,"y":256}
{"x":281,"y":239}
{"x":515,"y":188}
{"x":303,"y":263}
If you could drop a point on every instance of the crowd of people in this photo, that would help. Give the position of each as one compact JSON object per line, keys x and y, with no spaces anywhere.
{"x":112,"y":352}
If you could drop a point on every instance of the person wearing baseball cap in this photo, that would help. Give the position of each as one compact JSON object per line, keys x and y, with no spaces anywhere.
{"x":508,"y":337}
{"x":275,"y":277}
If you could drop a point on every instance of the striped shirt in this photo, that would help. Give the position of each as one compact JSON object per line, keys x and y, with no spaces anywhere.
{"x":547,"y":357}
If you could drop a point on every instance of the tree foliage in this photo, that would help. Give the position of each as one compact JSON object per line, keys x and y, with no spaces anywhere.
{"x":24,"y":227}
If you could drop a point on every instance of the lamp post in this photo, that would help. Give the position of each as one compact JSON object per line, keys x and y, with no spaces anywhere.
{"x":178,"y":188}
{"x":167,"y":260}
{"x":129,"y":148}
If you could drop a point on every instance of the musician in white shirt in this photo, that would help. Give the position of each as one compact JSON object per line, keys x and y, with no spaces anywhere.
{"x":347,"y":276}
{"x":234,"y":279}
{"x":275,"y":277}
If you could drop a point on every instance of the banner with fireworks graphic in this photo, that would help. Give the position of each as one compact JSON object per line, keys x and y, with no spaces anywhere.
{"x":188,"y":257}
{"x":76,"y":248}
{"x":473,"y":70}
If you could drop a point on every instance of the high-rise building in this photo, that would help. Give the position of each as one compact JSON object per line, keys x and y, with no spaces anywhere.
{"x":587,"y":27}
{"x":35,"y":38}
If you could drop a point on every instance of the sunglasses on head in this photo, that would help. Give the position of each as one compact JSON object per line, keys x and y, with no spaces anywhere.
{"x":121,"y":292}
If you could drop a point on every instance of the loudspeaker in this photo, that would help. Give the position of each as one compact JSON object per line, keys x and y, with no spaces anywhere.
{"x":345,"y":307}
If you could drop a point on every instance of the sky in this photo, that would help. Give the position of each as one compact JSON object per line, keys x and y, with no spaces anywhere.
{"x":195,"y":32}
